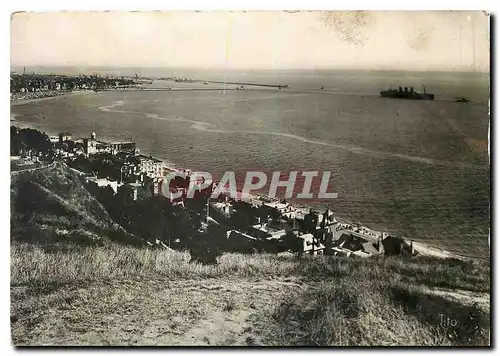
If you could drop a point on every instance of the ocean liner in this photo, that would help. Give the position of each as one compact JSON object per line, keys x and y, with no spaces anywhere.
{"x":406,"y":93}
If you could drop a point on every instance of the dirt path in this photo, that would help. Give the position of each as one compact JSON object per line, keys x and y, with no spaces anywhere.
{"x":49,"y":166}
{"x":482,"y":299}
{"x":149,"y":312}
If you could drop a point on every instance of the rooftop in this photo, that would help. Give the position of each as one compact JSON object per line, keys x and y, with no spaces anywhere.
{"x":277,"y":205}
{"x":267,"y":228}
{"x":100,"y":180}
{"x":135,"y":185}
{"x":151,"y":158}
{"x":120,"y":142}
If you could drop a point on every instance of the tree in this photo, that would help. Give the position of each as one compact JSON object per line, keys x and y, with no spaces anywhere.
{"x":206,"y":246}
{"x":292,"y":242}
{"x":82,"y":163}
{"x":28,"y":139}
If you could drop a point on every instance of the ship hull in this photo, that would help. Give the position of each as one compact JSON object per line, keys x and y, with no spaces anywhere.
{"x":409,"y":96}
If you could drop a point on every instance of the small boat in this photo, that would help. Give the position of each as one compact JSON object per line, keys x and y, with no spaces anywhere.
{"x":462,"y":99}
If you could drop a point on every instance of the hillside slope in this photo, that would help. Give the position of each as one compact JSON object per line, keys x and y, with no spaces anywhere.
{"x":52,"y":205}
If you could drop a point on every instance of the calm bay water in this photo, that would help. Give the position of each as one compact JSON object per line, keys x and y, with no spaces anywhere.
{"x":416,"y":168}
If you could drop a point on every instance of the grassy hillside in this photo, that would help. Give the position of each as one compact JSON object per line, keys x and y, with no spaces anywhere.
{"x":52,"y":205}
{"x":121,"y":295}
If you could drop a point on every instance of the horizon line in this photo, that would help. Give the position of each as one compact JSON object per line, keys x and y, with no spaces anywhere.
{"x":158,"y":66}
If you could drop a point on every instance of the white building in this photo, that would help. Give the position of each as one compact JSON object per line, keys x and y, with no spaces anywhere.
{"x":151,"y":166}
{"x":93,"y":146}
{"x":64,"y":136}
{"x":103,"y":182}
{"x":308,"y":244}
{"x":281,"y":207}
{"x":273,"y":232}
{"x":224,"y":207}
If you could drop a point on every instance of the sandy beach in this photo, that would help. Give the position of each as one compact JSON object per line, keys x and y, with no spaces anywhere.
{"x":59,"y":95}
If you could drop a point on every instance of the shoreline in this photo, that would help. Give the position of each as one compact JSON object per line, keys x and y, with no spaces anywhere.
{"x":423,"y":248}
{"x":51,"y":97}
{"x":23,"y":101}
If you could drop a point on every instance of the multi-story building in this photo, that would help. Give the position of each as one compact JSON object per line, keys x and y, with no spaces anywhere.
{"x":92,"y":146}
{"x":124,"y":146}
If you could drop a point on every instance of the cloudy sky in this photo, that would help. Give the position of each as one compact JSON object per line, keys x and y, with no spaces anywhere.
{"x":420,"y":40}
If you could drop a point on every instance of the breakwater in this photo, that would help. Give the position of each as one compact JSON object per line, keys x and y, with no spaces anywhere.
{"x":248,"y":84}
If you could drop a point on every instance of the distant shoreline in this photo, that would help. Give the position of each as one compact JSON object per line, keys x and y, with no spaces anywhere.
{"x":162,"y":71}
{"x":135,"y":89}
{"x":49,"y":97}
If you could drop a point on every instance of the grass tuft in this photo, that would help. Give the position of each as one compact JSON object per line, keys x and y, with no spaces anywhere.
{"x":345,"y":302}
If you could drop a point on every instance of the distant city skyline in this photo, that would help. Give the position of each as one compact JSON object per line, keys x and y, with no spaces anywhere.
{"x":397,"y":40}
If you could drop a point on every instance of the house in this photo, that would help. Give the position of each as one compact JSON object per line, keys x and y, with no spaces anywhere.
{"x":397,"y":246}
{"x":64,"y":136}
{"x":131,"y":190}
{"x":281,"y":207}
{"x":341,"y":243}
{"x":361,"y":254}
{"x":284,"y":223}
{"x":373,"y":248}
{"x":122,"y":146}
{"x":350,"y":242}
{"x":316,"y":248}
{"x":90,"y":144}
{"x":225,"y":208}
{"x":103,"y":182}
{"x":259,"y":231}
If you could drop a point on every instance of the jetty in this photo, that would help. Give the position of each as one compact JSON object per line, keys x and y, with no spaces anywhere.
{"x":280,"y":86}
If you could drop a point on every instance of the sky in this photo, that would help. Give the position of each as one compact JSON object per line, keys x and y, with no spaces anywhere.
{"x":399,"y":40}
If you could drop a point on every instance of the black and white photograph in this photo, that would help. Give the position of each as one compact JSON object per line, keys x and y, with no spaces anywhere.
{"x":244,"y":178}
